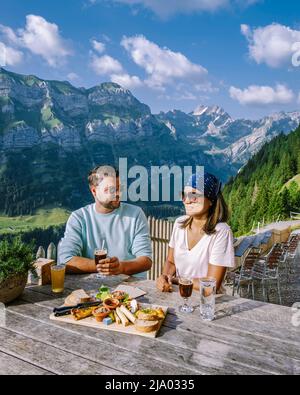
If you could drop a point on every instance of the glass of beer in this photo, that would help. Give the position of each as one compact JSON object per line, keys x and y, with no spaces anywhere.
{"x":58,"y":278}
{"x":100,"y":253}
{"x":185,"y":291}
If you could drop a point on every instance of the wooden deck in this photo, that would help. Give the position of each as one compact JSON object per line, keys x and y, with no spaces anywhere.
{"x":246,"y":338}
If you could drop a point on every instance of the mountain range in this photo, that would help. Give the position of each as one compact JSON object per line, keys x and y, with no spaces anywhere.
{"x":52,"y":133}
{"x":212,"y":129}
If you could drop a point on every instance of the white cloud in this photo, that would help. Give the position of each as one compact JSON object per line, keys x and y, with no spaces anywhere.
{"x":9,"y":56}
{"x":262,"y":95}
{"x":127,"y":81}
{"x":163,"y":69}
{"x":98,"y":46}
{"x":167,"y":8}
{"x":206,"y":87}
{"x":73,"y":77}
{"x":162,"y":65}
{"x":106,"y":65}
{"x":41,"y":38}
{"x":272,"y":44}
{"x":9,"y":34}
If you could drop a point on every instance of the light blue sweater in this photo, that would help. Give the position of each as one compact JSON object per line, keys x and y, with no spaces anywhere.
{"x":125,"y":230}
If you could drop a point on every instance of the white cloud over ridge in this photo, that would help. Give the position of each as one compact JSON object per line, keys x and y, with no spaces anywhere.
{"x":40,"y":37}
{"x":126,"y":80}
{"x":105,"y":65}
{"x":161,"y":65}
{"x":262,"y":95}
{"x":273,"y":45}
{"x":9,"y":56}
{"x":164,"y":70}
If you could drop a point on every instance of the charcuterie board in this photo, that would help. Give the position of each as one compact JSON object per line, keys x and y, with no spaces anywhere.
{"x":130,"y":329}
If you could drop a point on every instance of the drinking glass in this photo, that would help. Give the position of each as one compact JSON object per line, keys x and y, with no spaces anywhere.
{"x":100,"y":253}
{"x":58,"y":278}
{"x":185,"y":290}
{"x":207,"y":298}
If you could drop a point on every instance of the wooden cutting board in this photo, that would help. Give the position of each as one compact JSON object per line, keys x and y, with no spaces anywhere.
{"x":130,"y":329}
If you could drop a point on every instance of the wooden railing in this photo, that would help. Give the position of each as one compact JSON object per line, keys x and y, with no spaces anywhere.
{"x":295,"y":215}
{"x":160,"y":233}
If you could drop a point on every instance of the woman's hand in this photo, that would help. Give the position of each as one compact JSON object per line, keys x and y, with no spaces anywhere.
{"x":164,"y":283}
{"x":196,"y":284}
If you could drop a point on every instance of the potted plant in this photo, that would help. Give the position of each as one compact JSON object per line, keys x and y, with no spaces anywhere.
{"x":16,"y":260}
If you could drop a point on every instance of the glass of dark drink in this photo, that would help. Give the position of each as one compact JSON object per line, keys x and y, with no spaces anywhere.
{"x":100,"y":253}
{"x":185,"y":290}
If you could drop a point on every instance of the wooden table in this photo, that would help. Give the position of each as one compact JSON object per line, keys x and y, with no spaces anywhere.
{"x":246,"y":338}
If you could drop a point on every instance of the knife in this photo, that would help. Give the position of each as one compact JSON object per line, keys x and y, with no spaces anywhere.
{"x":66,"y":310}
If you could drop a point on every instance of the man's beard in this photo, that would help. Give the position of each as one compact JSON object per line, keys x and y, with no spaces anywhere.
{"x":111,"y":205}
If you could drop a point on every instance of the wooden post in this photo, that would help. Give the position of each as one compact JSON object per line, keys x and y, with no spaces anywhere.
{"x":51,"y":251}
{"x":40,"y":253}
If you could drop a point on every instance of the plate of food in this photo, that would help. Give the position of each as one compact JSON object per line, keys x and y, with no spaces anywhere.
{"x":114,"y":311}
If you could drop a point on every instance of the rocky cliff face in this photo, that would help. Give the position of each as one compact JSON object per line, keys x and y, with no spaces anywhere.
{"x":52,"y":133}
{"x":36,"y":112}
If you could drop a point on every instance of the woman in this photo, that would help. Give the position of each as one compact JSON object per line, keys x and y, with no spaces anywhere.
{"x":202,"y":243}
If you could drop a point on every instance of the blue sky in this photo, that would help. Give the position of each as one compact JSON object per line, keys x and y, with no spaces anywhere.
{"x":172,"y":54}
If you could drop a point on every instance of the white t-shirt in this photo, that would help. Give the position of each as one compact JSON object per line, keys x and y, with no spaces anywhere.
{"x":216,"y":249}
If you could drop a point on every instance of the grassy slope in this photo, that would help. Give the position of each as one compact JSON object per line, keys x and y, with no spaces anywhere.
{"x":43,"y":218}
{"x":296,"y":179}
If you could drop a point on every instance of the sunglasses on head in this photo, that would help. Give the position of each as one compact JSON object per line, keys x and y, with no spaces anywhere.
{"x":191,"y":196}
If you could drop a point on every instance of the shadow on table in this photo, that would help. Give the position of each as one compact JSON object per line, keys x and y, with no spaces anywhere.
{"x":229,"y":310}
{"x":31,"y":296}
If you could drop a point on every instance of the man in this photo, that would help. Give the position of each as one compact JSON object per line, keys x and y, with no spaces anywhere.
{"x":123,"y":226}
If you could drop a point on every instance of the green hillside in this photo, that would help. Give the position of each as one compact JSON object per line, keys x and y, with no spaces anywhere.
{"x":42,"y":218}
{"x":295,"y":180}
{"x":267,"y":188}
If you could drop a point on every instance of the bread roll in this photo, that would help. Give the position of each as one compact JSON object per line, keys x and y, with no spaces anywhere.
{"x":146,"y":326}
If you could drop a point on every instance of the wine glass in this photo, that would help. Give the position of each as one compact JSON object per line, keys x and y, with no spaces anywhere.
{"x":185,"y":290}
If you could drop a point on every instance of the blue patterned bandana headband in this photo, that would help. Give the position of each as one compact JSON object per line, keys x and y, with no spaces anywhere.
{"x":212,"y":186}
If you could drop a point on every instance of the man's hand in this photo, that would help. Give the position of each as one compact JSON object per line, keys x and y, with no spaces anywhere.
{"x":110,"y":267}
{"x":164,"y":283}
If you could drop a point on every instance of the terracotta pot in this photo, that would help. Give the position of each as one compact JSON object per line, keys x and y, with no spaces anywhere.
{"x":100,"y":315}
{"x":12,"y":287}
{"x":111,"y":304}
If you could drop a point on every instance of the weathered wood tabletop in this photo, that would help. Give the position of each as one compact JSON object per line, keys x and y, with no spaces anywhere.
{"x":246,"y":338}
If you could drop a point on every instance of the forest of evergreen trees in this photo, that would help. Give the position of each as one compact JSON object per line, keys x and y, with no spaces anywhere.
{"x":258,"y":193}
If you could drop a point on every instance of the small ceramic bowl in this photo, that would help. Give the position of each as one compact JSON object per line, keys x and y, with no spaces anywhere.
{"x":100,"y":313}
{"x":111,"y":303}
{"x":120,"y":295}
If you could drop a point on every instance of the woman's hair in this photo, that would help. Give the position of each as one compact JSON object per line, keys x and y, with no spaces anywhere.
{"x":218,"y":212}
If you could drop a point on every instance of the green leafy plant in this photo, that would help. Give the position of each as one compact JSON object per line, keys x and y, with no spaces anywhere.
{"x":104,"y":292}
{"x":16,"y":258}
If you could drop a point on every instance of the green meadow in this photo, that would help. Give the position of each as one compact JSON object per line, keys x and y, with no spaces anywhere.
{"x":42,"y":218}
